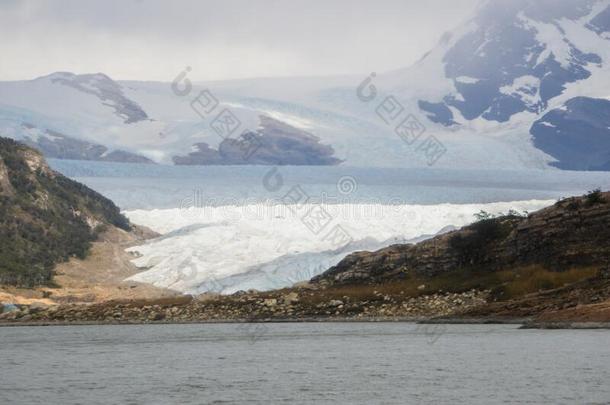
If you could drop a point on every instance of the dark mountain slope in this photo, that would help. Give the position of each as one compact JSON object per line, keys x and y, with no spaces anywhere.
{"x":577,"y":134}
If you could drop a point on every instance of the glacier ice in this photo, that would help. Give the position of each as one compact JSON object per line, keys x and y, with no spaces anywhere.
{"x":265,"y":246}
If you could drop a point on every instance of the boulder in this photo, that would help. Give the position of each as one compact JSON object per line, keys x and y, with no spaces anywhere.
{"x":290,"y":298}
{"x":270,"y":302}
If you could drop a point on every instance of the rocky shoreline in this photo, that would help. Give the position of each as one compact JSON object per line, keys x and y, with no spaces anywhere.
{"x":299,"y":305}
{"x":290,"y":305}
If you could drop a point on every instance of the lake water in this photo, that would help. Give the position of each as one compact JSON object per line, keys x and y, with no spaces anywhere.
{"x":140,"y":186}
{"x":321,"y":363}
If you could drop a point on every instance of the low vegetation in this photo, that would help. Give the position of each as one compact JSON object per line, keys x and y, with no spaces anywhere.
{"x":43,"y":218}
{"x":594,"y":197}
{"x":472,"y":246}
{"x":504,"y":285}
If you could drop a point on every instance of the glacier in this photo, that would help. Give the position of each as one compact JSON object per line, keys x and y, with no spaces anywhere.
{"x":266,"y":246}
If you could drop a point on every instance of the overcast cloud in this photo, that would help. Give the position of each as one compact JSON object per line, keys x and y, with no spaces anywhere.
{"x":154,"y":39}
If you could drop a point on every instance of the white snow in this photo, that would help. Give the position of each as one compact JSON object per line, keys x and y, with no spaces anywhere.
{"x":467,"y":80}
{"x":551,"y":37}
{"x":290,"y":119}
{"x":586,"y":40}
{"x":523,"y":87}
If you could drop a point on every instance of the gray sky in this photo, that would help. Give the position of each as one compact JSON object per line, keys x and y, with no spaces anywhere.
{"x":155,"y":39}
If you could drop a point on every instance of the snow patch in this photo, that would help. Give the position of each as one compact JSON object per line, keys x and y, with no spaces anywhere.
{"x":526,"y":87}
{"x":467,"y":80}
{"x":552,"y":38}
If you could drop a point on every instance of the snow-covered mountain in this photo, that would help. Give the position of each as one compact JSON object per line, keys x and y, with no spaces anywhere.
{"x":522,"y":84}
{"x":76,"y":117}
{"x":519,"y":60}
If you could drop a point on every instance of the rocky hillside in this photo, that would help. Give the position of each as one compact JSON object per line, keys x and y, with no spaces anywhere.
{"x":273,"y":143}
{"x":572,"y":234}
{"x":45,"y":218}
{"x":561,"y":131}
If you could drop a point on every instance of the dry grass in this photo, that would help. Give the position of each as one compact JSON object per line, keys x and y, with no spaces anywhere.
{"x":506,"y":284}
{"x":534,"y":278}
{"x":162,"y":302}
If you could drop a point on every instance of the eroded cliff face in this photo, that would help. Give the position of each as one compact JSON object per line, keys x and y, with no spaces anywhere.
{"x":572,"y":233}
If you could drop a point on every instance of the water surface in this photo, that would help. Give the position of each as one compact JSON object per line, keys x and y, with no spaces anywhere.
{"x":321,"y":363}
{"x":140,"y":186}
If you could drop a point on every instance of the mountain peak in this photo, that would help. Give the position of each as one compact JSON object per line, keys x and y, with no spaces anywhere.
{"x":515,"y":57}
{"x":105,"y":89}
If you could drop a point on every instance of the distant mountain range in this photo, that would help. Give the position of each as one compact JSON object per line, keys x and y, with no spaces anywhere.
{"x":522,"y":84}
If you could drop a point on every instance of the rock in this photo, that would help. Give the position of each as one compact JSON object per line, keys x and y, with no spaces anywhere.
{"x":38,"y":307}
{"x":157,"y":316}
{"x":208,"y":296}
{"x":269,"y":302}
{"x":53,"y":309}
{"x":335,"y":303}
{"x":421,"y":287}
{"x":290,"y":298}
{"x":8,"y":307}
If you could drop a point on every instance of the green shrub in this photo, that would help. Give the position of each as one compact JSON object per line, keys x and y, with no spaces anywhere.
{"x":594,"y":197}
{"x":37,"y":232}
{"x":573,"y":204}
{"x":472,"y":244}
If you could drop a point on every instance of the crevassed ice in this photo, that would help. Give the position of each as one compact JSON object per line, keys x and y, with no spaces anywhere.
{"x":266,"y":246}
